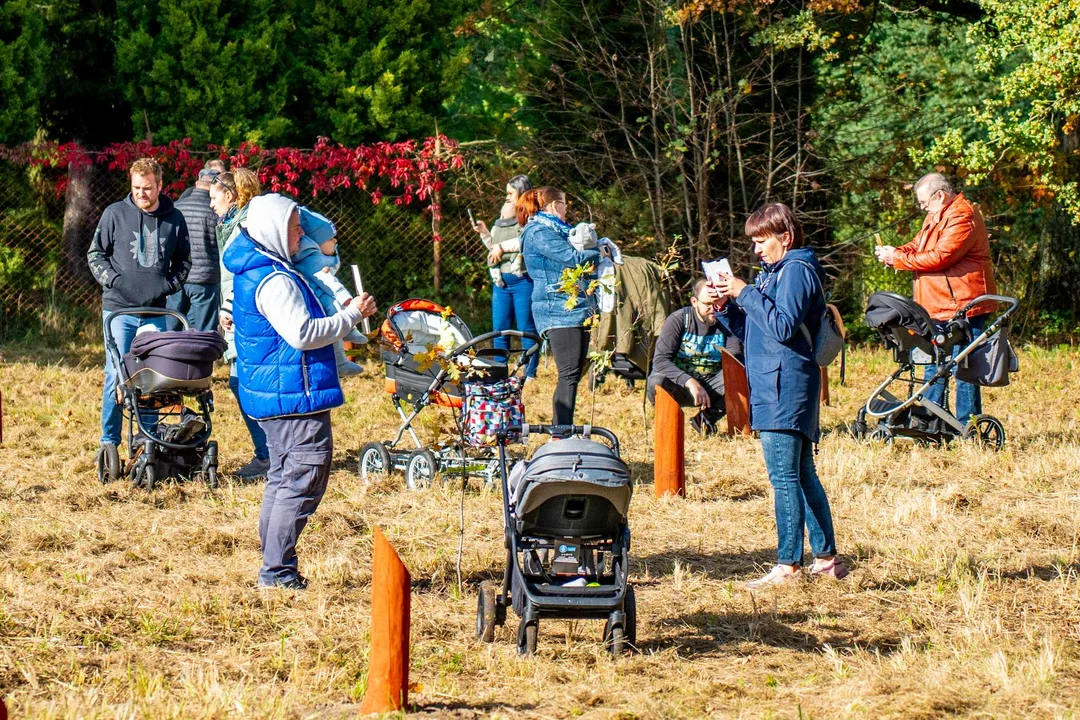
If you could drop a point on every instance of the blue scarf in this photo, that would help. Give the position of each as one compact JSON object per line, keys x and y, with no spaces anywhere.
{"x":553,"y":222}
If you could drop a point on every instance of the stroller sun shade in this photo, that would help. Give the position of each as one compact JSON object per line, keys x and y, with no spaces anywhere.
{"x":902,"y":322}
{"x":415,"y":326}
{"x":175,"y":360}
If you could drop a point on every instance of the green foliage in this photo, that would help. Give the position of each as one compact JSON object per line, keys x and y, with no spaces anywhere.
{"x":208,"y":70}
{"x":23,"y":56}
{"x":377,"y":69}
{"x":1029,"y":126}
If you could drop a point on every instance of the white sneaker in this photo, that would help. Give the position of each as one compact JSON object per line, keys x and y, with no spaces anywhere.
{"x":779,"y":575}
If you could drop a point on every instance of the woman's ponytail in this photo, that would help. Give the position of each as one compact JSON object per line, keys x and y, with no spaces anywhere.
{"x":533,"y":201}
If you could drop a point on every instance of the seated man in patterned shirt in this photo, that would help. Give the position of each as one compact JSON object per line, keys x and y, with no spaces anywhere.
{"x":686,"y":362}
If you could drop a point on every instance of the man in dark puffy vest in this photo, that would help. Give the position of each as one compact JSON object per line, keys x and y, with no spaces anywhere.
{"x":287,"y":375}
{"x":200,"y":298}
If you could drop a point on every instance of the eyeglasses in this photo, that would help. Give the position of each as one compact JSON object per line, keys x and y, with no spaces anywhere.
{"x":925,"y":204}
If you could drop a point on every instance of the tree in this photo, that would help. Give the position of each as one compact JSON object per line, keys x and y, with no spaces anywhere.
{"x":22,"y":70}
{"x":209,"y":70}
{"x":376,"y":69}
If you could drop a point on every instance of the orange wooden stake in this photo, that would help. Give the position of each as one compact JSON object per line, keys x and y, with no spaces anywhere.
{"x":825,"y":386}
{"x":736,"y":395}
{"x":669,"y":468}
{"x":388,"y":659}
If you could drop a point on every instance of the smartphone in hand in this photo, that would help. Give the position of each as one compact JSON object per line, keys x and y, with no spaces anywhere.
{"x":472,"y":220}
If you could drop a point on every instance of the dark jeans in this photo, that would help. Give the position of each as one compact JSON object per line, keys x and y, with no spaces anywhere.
{"x":301,"y":448}
{"x":798,"y":498}
{"x":713,"y":384}
{"x":968,"y":400}
{"x":258,"y":437}
{"x":570,"y":348}
{"x":512,"y":306}
{"x":197,"y":302}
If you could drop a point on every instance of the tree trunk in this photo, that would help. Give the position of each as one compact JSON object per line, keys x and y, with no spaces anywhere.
{"x":80,"y":219}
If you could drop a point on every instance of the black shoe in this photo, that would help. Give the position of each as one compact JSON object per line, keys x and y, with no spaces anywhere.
{"x":704,"y":424}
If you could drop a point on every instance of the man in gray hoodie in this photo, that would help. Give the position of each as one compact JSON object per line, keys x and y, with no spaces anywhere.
{"x":139,"y":255}
{"x":200,"y":298}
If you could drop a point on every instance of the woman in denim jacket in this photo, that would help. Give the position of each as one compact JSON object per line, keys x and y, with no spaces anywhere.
{"x":776,"y":319}
{"x":548,"y":252}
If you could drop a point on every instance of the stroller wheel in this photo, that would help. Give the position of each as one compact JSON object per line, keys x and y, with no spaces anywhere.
{"x":485,"y":613}
{"x":614,"y":638}
{"x":374,"y":460}
{"x":108,"y":463}
{"x":881,"y":435}
{"x":987,"y":431}
{"x":146,"y":476}
{"x":420,"y":470}
{"x":630,"y":610}
{"x":526,"y":637}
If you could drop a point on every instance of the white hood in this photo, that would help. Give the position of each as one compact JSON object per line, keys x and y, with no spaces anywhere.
{"x":268,"y":222}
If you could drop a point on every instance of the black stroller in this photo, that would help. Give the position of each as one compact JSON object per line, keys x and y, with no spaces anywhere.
{"x":917,"y":340}
{"x":154,"y":377}
{"x":567,"y":539}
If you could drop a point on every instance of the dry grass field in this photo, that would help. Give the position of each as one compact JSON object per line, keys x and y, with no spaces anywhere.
{"x":964,"y":598}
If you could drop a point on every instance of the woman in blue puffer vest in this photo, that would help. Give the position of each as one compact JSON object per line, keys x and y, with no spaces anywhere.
{"x":287,"y":376}
{"x":559,"y":317}
{"x":776,"y":319}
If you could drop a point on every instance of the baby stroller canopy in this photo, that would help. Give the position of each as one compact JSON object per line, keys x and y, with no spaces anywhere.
{"x":416,"y":325}
{"x":901,"y":322}
{"x":177,"y":360}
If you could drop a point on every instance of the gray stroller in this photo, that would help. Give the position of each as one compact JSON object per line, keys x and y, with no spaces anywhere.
{"x":567,"y":538}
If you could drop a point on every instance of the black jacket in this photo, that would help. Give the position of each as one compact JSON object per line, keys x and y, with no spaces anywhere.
{"x":202,"y":236}
{"x":139,"y":258}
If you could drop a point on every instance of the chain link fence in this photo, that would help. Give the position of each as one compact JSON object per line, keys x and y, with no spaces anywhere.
{"x":45,"y":233}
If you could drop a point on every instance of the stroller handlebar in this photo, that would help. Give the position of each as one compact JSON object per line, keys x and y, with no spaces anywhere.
{"x":1012,"y":302}
{"x":494,"y":334}
{"x":563,"y":431}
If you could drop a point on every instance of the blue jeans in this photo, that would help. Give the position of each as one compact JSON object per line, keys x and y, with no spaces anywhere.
{"x":124,"y":328}
{"x":197,"y":302}
{"x":514,"y":303}
{"x":798,"y":498}
{"x":258,"y":437}
{"x":968,"y":397}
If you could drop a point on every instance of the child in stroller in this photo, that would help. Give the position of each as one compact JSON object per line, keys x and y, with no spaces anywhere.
{"x":567,"y":538}
{"x":951,"y":347}
{"x":161,"y":369}
{"x":431,"y":358}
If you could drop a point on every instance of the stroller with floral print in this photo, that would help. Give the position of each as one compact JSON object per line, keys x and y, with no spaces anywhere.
{"x":431,"y":358}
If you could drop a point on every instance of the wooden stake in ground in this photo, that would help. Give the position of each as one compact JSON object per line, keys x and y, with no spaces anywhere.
{"x":388,"y":659}
{"x":669,"y":466}
{"x":736,"y":395}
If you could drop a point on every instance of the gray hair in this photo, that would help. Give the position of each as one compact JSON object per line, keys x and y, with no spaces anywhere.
{"x":521,"y":183}
{"x":934,"y":182}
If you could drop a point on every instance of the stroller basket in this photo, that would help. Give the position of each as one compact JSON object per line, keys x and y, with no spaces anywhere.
{"x":177,"y":361}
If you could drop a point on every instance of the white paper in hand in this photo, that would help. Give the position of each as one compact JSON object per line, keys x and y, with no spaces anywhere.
{"x":715,"y":268}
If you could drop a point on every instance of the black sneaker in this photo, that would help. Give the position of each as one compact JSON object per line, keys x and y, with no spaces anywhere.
{"x":703,"y":424}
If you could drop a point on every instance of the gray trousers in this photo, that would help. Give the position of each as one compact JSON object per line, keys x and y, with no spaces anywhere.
{"x":713,"y":384}
{"x":300,"y":452}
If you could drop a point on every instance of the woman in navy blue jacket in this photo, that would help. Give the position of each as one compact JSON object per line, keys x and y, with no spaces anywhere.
{"x":546,"y":247}
{"x":776,"y":319}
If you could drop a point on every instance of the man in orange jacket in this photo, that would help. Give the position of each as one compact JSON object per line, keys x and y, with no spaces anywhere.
{"x":950,"y":258}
